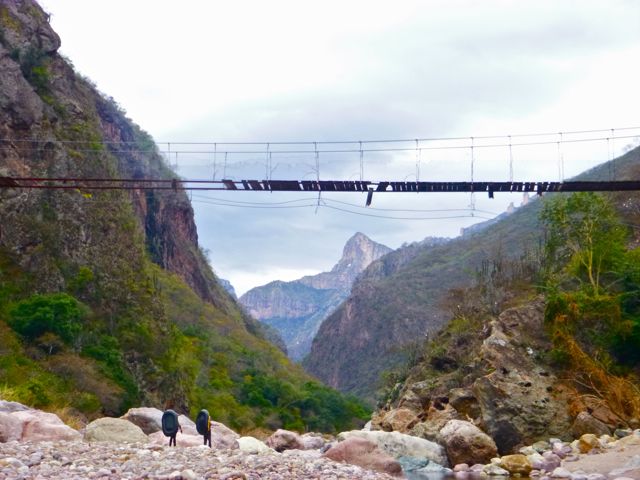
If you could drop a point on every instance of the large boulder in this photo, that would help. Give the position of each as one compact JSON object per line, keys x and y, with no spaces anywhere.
{"x":399,"y":420}
{"x":222,"y":436}
{"x":35,"y":426}
{"x":283,"y":440}
{"x":586,"y":423}
{"x":147,"y":418}
{"x":366,"y":454}
{"x":401,"y":445}
{"x":435,"y":420}
{"x":466,"y":443}
{"x":313,"y":441}
{"x":253,"y":445}
{"x":114,"y":430}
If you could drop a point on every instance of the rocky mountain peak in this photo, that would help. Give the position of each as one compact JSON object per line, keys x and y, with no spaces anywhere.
{"x":358,"y":253}
{"x":296,"y":309}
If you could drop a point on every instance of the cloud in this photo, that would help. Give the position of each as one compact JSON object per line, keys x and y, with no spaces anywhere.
{"x":358,"y":70}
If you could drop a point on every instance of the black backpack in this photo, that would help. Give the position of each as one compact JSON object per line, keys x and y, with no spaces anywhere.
{"x":170,"y":423}
{"x":202,"y":422}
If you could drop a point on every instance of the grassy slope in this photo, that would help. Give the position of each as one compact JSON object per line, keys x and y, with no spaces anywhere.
{"x":147,"y":335}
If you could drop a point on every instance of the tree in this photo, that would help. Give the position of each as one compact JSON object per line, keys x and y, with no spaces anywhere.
{"x":585,"y":238}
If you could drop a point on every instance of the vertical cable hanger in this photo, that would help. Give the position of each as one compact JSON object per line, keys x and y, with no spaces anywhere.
{"x":510,"y":160}
{"x":613,"y":151}
{"x":473,"y":198}
{"x":215,"y":154}
{"x":560,"y":159}
{"x":361,"y":162}
{"x":267,"y":167}
{"x":609,"y":157}
{"x":224,"y":171}
{"x":418,"y":158}
{"x":317,"y":156}
{"x":169,"y":153}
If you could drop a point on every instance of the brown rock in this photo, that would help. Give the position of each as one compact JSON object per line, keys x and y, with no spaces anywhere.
{"x":588,"y":442}
{"x":465,"y":402}
{"x":364,"y":453}
{"x":517,"y":463}
{"x":283,"y":440}
{"x":436,"y":419}
{"x":586,"y":423}
{"x":399,"y":420}
{"x":466,"y":443}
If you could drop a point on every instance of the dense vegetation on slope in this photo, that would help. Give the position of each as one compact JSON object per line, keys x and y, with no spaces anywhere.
{"x":404,"y":296}
{"x":106,"y":301}
{"x":534,"y":346}
{"x":592,"y":288}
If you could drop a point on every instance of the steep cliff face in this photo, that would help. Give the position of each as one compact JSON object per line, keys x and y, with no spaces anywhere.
{"x":296,"y":309}
{"x":105,"y":293}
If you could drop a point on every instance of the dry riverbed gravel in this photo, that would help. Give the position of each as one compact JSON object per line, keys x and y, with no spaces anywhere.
{"x":107,"y":461}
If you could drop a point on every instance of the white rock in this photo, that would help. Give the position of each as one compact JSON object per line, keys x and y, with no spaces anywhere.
{"x":188,"y":474}
{"x":401,"y":445}
{"x":494,"y":469}
{"x":253,"y":445}
{"x":560,"y":472}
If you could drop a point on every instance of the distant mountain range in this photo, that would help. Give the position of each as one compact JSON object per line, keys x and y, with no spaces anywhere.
{"x":296,"y":309}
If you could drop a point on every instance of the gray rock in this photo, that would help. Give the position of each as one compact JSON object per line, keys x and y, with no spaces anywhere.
{"x":282,"y":440}
{"x":114,"y":430}
{"x":561,"y":473}
{"x":148,"y":419}
{"x":515,"y":400}
{"x":10,"y":407}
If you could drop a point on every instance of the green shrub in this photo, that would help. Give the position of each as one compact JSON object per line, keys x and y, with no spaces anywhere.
{"x":58,"y":313}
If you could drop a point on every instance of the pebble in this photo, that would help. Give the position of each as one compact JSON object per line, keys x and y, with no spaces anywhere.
{"x":108,"y":461}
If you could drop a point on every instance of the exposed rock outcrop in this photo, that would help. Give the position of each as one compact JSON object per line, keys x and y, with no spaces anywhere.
{"x":296,"y":309}
{"x":505,"y":390}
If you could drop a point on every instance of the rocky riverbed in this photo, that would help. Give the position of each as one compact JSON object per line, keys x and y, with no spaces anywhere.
{"x":105,"y":460}
{"x":38,"y":445}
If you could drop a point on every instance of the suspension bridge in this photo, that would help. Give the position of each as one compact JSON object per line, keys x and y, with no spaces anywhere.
{"x":216,"y":156}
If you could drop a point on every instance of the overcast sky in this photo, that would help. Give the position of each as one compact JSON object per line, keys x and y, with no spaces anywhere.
{"x":256,"y":71}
